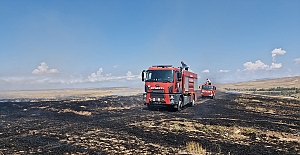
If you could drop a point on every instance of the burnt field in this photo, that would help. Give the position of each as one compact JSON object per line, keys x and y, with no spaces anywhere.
{"x":229,"y":124}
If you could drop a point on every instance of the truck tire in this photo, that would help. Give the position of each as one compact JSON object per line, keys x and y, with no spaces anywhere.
{"x":149,"y":107}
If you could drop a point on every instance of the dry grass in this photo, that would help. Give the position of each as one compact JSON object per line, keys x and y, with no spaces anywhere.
{"x":270,"y":111}
{"x":287,"y":82}
{"x":256,"y":109}
{"x":83,"y":113}
{"x":116,"y":108}
{"x":195,"y":148}
{"x":241,"y":100}
{"x":249,"y":130}
{"x":82,"y":94}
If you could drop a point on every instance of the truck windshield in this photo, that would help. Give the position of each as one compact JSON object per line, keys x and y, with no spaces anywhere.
{"x":207,"y":87}
{"x":159,"y":76}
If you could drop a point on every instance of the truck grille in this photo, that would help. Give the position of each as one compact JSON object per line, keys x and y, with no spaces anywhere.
{"x":157,"y":94}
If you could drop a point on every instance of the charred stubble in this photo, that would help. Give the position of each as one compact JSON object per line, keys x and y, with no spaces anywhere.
{"x":122,"y":125}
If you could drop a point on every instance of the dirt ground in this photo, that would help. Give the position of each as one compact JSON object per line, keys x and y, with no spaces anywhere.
{"x":230,"y":124}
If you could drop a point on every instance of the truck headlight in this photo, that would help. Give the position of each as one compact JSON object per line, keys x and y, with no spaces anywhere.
{"x":171,"y":97}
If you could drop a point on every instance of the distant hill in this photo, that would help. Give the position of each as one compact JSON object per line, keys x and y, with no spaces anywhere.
{"x":287,"y":82}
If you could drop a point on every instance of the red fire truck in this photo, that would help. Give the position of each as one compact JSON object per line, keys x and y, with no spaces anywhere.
{"x":208,"y":90}
{"x":168,"y":86}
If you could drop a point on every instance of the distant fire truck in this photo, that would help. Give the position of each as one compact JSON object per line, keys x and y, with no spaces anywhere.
{"x":167,"y":86}
{"x":208,"y":90}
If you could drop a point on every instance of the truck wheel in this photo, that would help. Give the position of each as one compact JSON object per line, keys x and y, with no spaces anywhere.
{"x":149,"y":107}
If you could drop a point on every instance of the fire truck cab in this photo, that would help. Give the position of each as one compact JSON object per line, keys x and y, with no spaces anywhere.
{"x":208,"y":90}
{"x":168,"y":86}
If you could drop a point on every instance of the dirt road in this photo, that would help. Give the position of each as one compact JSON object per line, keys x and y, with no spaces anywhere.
{"x":229,"y":124}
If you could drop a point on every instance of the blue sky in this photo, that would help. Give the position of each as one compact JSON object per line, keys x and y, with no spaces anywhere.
{"x":91,"y":44}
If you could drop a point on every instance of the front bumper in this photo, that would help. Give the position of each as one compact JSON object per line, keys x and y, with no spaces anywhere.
{"x":207,"y":95}
{"x":162,"y":99}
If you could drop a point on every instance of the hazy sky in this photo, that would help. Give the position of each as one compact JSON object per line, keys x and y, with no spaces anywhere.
{"x":94,"y":43}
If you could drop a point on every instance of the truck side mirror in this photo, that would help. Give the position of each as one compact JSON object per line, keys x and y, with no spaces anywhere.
{"x":143,"y":75}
